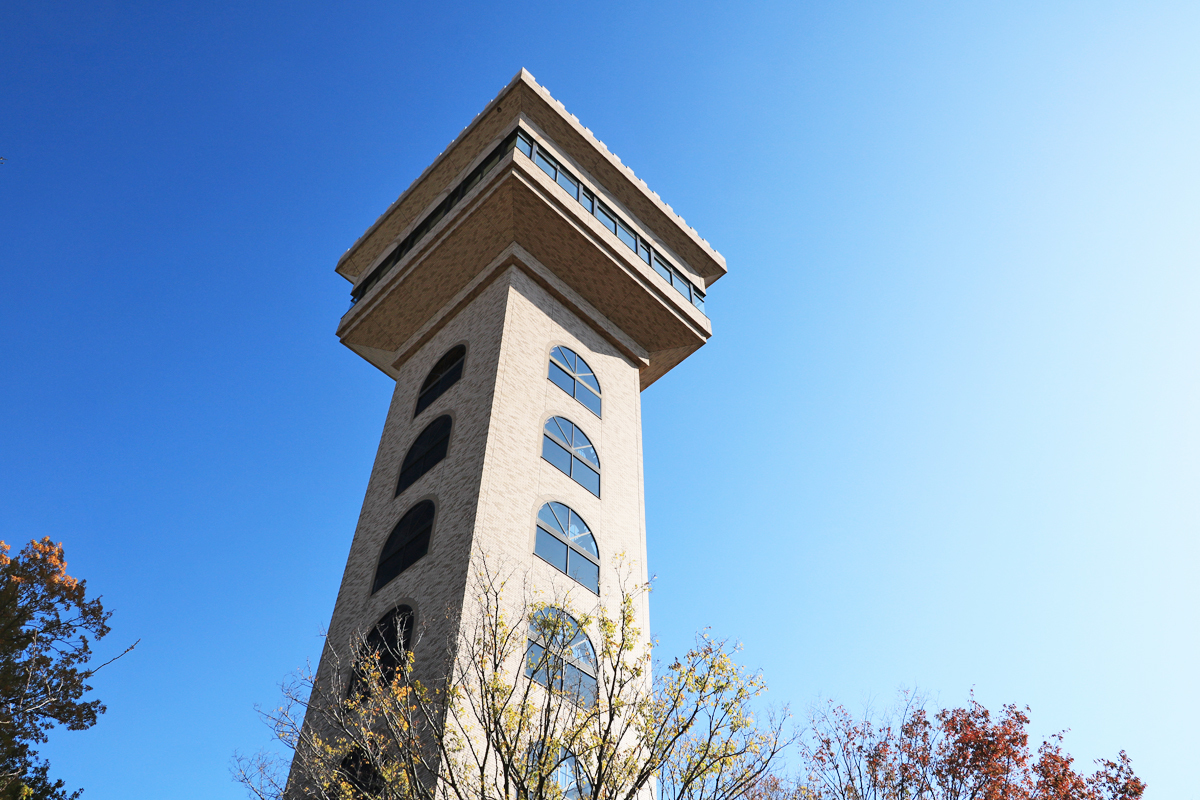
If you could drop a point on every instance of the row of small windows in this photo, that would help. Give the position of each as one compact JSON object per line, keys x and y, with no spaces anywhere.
{"x":551,"y":166}
{"x":433,"y":217}
{"x":610,"y":219}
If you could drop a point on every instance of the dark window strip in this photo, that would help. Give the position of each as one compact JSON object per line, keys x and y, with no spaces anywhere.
{"x":611,"y":220}
{"x":433,"y":218}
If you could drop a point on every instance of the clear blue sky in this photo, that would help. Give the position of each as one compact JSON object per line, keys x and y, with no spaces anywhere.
{"x":945,"y":434}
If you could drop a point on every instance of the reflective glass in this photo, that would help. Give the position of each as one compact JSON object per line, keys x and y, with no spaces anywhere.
{"x":581,"y":536}
{"x":585,"y":451}
{"x":579,"y":683}
{"x":566,"y":356}
{"x":698,"y":301}
{"x":406,"y":544}
{"x":445,"y":373}
{"x":683,"y":286}
{"x":662,"y":269}
{"x":566,"y":775}
{"x":643,"y":251}
{"x":553,"y":452}
{"x":585,"y":374}
{"x":560,"y":428}
{"x":606,"y":218}
{"x":546,"y":164}
{"x":561,"y":379}
{"x":551,"y":515}
{"x":568,"y":183}
{"x":552,"y":549}
{"x":627,"y":236}
{"x":584,"y":571}
{"x":585,"y":197}
{"x":589,"y":399}
{"x":525,"y":146}
{"x":586,"y":477}
{"x":536,"y":663}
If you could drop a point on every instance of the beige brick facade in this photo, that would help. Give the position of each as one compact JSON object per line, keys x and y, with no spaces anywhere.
{"x":516,"y":269}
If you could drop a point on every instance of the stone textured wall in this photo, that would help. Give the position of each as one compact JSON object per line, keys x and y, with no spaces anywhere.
{"x":493,"y":480}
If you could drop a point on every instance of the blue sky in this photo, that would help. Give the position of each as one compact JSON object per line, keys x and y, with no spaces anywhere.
{"x":945,"y":434}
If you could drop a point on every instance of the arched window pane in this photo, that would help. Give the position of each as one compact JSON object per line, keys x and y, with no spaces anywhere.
{"x":572,"y":374}
{"x":357,"y":771}
{"x":428,"y":449}
{"x":391,"y":638}
{"x":561,"y":656}
{"x":445,"y":373}
{"x":551,"y":549}
{"x":566,"y":447}
{"x":586,"y":477}
{"x":570,"y":526}
{"x":388,"y":642}
{"x":408,"y":542}
{"x":564,"y":541}
{"x":583,"y":571}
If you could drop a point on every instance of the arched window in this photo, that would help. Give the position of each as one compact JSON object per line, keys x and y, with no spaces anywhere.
{"x":572,"y":374}
{"x":445,"y":373}
{"x":408,"y":542}
{"x":357,"y":771}
{"x":389,"y":643}
{"x":565,"y":446}
{"x":565,"y":541}
{"x":571,"y":780}
{"x":562,"y":770}
{"x":561,"y":655}
{"x":429,"y":448}
{"x":391,"y":639}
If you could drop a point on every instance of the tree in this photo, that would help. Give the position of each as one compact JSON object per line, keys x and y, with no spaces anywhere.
{"x":959,"y":754}
{"x":525,"y":710}
{"x":45,"y":624}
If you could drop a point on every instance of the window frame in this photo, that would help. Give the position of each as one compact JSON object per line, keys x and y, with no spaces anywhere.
{"x":551,"y":164}
{"x":571,"y":546}
{"x":405,"y":609}
{"x":569,"y":449}
{"x":449,"y":441}
{"x":573,"y":374}
{"x":561,"y":659}
{"x":418,"y":409}
{"x":376,"y":584}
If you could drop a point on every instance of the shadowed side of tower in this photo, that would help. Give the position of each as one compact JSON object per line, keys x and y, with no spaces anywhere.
{"x":521,"y":293}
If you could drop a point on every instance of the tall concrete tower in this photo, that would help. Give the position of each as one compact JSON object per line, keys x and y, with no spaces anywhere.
{"x":522,"y":292}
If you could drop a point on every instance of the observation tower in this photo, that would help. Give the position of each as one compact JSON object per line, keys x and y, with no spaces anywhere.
{"x":521,"y":293}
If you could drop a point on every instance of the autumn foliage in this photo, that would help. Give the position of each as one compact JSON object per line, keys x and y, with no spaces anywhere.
{"x":508,"y":720}
{"x":45,"y":624}
{"x":955,"y":754}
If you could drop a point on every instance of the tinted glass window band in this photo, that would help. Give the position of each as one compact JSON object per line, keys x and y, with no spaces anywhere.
{"x":435,"y":216}
{"x":611,"y":220}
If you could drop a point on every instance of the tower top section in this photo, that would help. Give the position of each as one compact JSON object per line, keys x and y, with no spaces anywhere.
{"x":527,"y":185}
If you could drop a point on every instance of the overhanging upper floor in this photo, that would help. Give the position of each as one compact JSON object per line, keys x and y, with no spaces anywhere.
{"x":515,"y":215}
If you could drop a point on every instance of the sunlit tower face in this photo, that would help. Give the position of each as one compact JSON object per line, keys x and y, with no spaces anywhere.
{"x":522,"y":292}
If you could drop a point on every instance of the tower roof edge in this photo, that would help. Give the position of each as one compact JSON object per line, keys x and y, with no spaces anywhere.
{"x":536,"y":102}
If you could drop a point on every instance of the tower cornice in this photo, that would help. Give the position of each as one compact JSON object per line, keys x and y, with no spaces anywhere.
{"x":524,"y":96}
